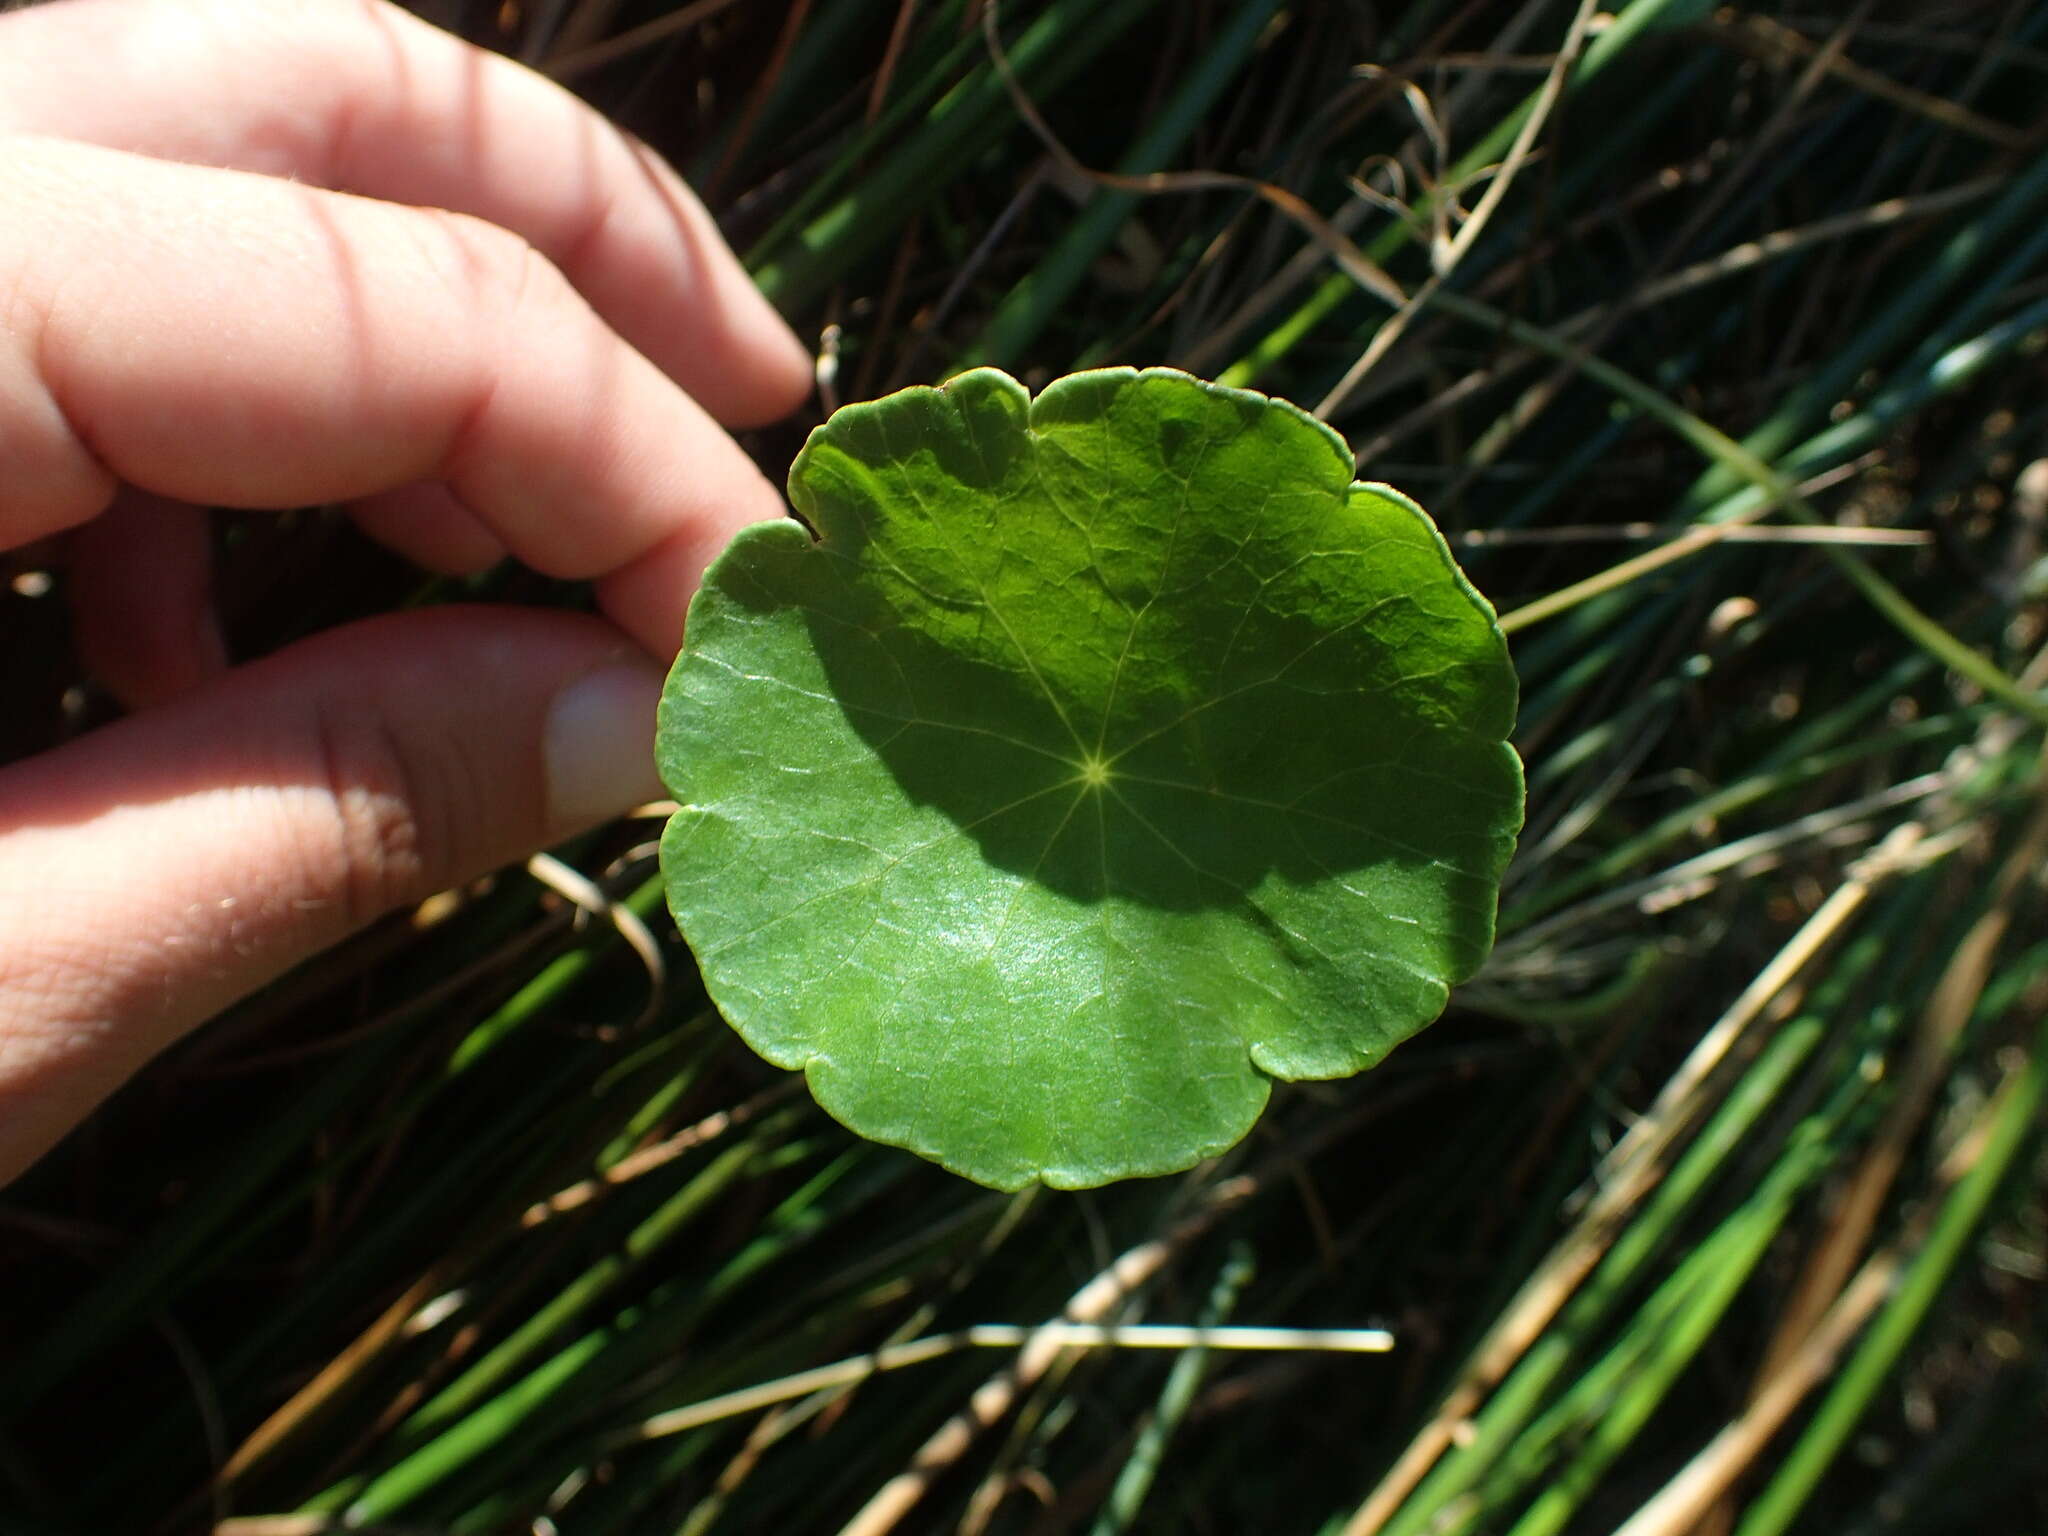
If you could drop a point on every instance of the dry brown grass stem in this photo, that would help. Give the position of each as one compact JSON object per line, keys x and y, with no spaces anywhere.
{"x":591,"y":899}
{"x":1627,"y":1175}
{"x":1737,"y":259}
{"x":1537,"y":398}
{"x":1690,"y":1497}
{"x":1445,"y":256}
{"x":1808,"y":1318}
{"x":644,"y":1161}
{"x":1355,"y":264}
{"x":581,"y":61}
{"x":1775,"y":43}
{"x":1605,"y":533}
{"x":1094,"y":1302}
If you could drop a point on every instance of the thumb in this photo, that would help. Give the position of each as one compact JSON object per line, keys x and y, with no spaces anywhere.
{"x":162,"y":867}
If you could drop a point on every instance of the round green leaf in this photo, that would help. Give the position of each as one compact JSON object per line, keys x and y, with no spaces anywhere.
{"x":1104,"y":757}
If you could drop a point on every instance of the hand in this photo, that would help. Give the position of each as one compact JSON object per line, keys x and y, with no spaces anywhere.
{"x":515,"y":333}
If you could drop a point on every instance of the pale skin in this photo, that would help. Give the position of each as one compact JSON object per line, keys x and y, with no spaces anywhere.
{"x":267,"y":253}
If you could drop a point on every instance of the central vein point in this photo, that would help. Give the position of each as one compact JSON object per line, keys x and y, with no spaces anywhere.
{"x":1094,"y":772}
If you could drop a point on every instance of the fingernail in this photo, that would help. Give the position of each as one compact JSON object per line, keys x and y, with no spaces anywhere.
{"x":600,"y":745}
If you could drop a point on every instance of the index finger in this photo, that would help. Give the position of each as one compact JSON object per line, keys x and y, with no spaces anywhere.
{"x":359,"y":96}
{"x":237,"y":340}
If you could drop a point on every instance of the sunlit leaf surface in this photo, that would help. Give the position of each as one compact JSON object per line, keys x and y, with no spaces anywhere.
{"x":1103,"y":757}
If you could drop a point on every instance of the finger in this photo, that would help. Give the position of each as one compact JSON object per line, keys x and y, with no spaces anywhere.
{"x":159,"y":868}
{"x":295,"y":346}
{"x":141,"y":590}
{"x":648,"y":598}
{"x":429,"y":527}
{"x":367,"y":98}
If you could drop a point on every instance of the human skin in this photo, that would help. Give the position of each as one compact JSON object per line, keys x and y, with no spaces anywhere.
{"x":266,"y":253}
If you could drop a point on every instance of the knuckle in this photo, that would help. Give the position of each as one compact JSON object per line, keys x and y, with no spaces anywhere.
{"x":387,"y":845}
{"x":484,"y":267}
{"x":590,"y":227}
{"x":506,"y":299}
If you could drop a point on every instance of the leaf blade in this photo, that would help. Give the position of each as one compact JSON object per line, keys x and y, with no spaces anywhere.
{"x":1108,"y":754}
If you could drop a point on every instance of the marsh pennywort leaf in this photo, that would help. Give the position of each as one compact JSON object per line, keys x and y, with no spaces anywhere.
{"x":1104,"y":757}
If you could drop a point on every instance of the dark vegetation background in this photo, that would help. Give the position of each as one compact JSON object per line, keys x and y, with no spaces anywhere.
{"x":428,"y":1237}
